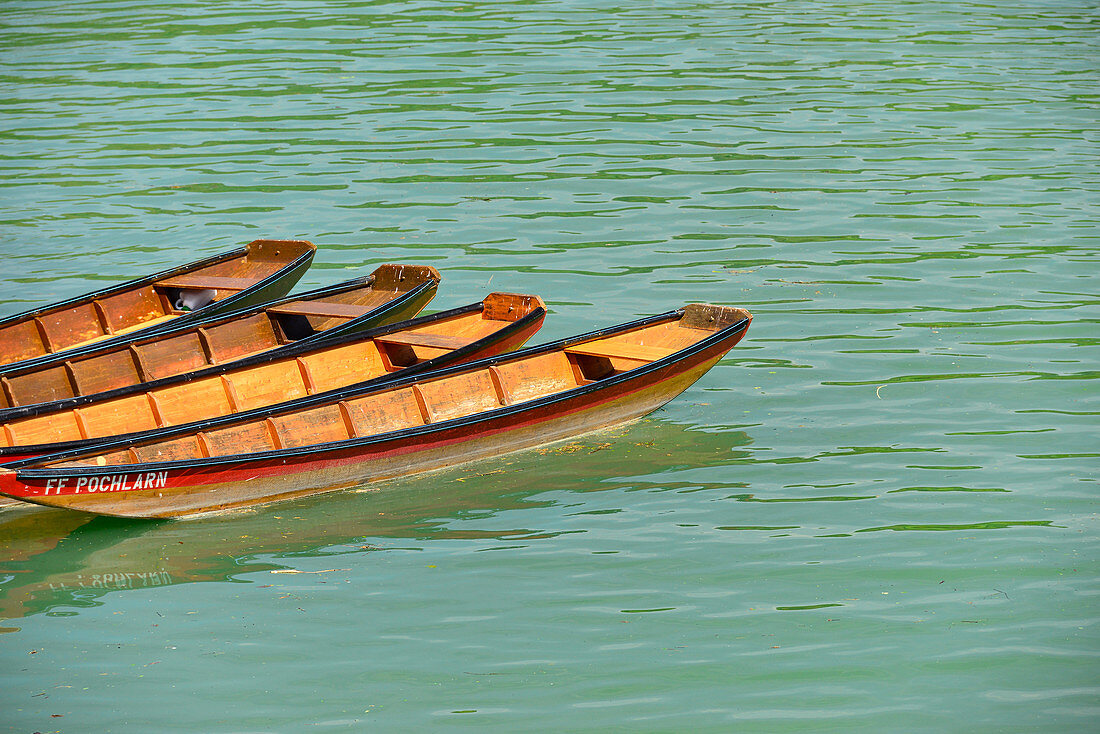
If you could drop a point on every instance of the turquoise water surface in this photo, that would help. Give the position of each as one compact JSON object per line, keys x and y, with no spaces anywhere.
{"x":878,"y":513}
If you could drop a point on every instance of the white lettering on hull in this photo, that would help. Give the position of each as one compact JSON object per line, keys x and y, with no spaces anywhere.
{"x":107,"y":483}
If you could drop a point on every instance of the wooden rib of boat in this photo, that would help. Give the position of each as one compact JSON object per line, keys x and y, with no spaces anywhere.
{"x":424,"y":422}
{"x":391,"y":293}
{"x":501,"y":322}
{"x":261,"y":271}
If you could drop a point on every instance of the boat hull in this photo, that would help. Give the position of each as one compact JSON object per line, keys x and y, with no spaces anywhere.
{"x":179,"y":491}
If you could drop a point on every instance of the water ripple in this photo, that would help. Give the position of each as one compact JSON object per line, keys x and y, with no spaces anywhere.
{"x":902,"y":192}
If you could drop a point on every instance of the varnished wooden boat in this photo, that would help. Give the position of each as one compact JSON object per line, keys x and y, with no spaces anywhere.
{"x":391,"y":293}
{"x":446,"y":417}
{"x":501,"y":322}
{"x":262,"y":271}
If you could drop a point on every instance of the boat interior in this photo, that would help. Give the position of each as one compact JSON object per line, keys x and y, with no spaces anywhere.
{"x":327,"y":366}
{"x":510,"y":381}
{"x":215,"y":342}
{"x":146,"y":305}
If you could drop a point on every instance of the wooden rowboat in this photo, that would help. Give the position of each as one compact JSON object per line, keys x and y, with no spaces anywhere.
{"x":391,"y":293}
{"x":262,"y":271}
{"x":446,"y":417}
{"x":501,"y":322}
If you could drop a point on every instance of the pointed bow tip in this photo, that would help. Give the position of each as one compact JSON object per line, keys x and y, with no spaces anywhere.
{"x":713,"y":317}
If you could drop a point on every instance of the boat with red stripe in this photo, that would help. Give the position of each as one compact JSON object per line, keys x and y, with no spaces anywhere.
{"x":353,"y":437}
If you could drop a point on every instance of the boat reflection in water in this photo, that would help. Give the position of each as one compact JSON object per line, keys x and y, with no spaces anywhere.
{"x":58,"y":561}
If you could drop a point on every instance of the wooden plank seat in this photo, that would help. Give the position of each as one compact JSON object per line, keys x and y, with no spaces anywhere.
{"x":620,"y":350}
{"x":144,"y":324}
{"x":206,"y":282}
{"x":415,"y":339}
{"x":320,"y":308}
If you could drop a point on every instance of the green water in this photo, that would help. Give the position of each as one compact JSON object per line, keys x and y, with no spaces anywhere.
{"x":876,"y":514}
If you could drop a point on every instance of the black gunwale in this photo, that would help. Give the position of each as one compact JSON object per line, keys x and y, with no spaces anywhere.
{"x":286,"y":350}
{"x":127,"y":285}
{"x":396,"y":304}
{"x":46,"y":360}
{"x":25,"y":468}
{"x":298,"y":266}
{"x":351,"y":328}
{"x":440,"y":362}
